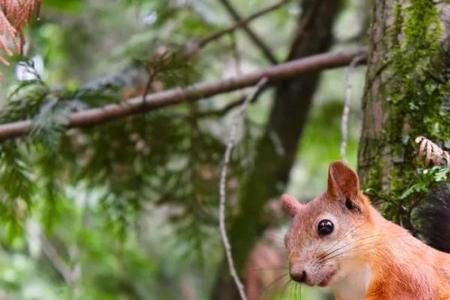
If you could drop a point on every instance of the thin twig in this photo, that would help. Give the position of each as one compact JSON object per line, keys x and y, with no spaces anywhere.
{"x":251,"y":34}
{"x":222,"y":111}
{"x":348,"y":101}
{"x":230,"y":106}
{"x":222,"y":187}
{"x":148,"y":86}
{"x":241,"y":23}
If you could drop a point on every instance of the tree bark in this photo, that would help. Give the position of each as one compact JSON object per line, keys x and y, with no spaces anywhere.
{"x":277,"y":148}
{"x":406,"y":95}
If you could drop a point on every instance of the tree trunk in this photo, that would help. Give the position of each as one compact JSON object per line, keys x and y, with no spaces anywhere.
{"x":278,"y":146}
{"x":406,"y":95}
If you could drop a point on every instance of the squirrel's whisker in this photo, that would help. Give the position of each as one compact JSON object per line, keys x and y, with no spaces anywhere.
{"x":366,"y":238}
{"x":276,"y":280}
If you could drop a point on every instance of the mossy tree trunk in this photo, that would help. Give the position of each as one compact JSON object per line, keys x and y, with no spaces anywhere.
{"x":407,"y":95}
{"x":271,"y":167}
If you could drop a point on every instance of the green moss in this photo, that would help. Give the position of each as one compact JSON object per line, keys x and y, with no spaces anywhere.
{"x":397,"y":26}
{"x":372,"y":182}
{"x":416,"y":96}
{"x":414,"y":93}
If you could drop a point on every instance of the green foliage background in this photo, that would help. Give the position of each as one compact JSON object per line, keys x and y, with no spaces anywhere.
{"x":129,"y":208}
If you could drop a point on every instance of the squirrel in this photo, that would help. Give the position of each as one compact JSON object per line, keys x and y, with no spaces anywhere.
{"x":340,"y":240}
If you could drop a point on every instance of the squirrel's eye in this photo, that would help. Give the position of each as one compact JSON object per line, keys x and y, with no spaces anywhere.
{"x":325,"y":227}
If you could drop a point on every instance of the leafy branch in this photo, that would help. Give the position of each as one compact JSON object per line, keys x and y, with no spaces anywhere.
{"x":194,"y":92}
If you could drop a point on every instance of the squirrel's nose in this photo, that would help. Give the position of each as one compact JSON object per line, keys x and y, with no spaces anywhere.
{"x":299,"y":276}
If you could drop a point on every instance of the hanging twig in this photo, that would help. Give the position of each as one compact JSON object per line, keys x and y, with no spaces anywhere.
{"x":222,"y":186}
{"x":347,"y":103}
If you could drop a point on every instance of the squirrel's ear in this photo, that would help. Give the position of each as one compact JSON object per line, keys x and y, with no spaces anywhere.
{"x":342,"y":181}
{"x":290,"y":204}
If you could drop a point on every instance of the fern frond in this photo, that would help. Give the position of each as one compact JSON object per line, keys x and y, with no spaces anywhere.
{"x":432,"y":153}
{"x":14,"y":16}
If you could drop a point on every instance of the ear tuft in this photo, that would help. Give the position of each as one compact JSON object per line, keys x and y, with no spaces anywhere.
{"x":290,"y":204}
{"x":342,"y":180}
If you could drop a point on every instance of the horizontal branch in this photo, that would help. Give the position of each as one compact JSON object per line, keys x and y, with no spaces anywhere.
{"x":194,"y":92}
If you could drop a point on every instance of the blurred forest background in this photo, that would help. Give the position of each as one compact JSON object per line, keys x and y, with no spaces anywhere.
{"x":128,"y":209}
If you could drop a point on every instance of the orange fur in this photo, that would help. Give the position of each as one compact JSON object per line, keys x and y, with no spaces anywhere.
{"x":366,"y":257}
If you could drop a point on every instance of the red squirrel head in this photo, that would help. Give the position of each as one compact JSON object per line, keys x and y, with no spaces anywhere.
{"x":326,"y":234}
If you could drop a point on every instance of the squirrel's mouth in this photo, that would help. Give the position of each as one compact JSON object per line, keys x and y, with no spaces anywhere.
{"x":327,"y":279}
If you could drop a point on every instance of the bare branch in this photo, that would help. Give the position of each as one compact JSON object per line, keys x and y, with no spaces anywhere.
{"x":347,"y":103}
{"x":222,"y":186}
{"x":240,"y":23}
{"x":195,"y":92}
{"x":251,"y":34}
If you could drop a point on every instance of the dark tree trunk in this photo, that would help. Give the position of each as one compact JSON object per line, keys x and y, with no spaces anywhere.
{"x":406,"y":95}
{"x":278,"y":146}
